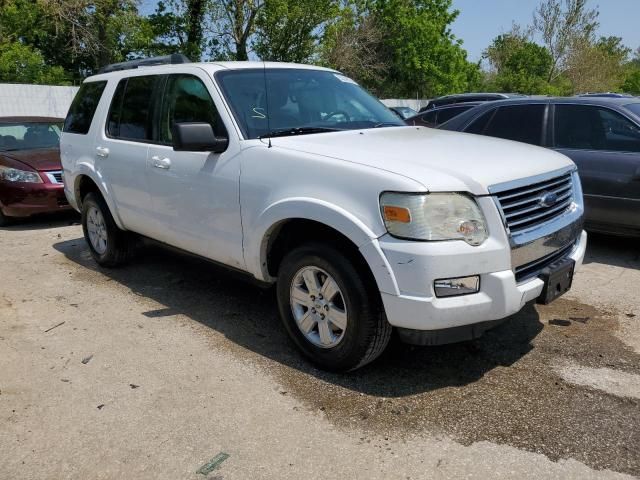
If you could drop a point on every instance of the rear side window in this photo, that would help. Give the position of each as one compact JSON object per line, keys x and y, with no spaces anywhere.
{"x":83,"y":108}
{"x":448,"y":113}
{"x":130,"y":115}
{"x":521,"y":123}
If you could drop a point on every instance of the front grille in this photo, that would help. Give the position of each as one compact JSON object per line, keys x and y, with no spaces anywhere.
{"x":523,"y":209}
{"x":58,"y":176}
{"x":533,"y":269}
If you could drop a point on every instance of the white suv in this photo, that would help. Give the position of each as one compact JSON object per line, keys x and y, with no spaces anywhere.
{"x":298,"y":177}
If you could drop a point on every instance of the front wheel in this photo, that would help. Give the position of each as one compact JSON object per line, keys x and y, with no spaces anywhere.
{"x":329,"y":310}
{"x":109,"y":245}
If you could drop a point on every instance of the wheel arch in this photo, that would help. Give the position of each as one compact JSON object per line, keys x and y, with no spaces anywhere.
{"x":290,"y":223}
{"x":85,"y":183}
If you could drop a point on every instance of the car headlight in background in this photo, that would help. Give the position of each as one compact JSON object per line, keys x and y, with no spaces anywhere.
{"x":9,"y":174}
{"x":433,"y":216}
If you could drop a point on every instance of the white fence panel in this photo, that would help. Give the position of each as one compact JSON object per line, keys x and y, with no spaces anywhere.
{"x":35,"y":100}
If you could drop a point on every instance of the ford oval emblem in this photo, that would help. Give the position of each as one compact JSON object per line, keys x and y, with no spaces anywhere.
{"x":548,"y":199}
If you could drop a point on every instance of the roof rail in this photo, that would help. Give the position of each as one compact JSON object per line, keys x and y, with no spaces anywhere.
{"x":145,"y":62}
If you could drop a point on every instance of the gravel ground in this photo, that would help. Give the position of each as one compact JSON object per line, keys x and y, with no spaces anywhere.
{"x":156,"y":369}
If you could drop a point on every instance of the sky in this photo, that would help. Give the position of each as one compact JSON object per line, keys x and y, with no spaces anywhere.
{"x":480,"y":21}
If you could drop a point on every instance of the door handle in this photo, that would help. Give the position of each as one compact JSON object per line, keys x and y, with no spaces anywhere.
{"x":102,"y":152}
{"x":636,"y":176}
{"x":163,"y":163}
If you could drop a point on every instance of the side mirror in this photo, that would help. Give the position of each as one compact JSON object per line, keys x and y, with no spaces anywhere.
{"x":197,"y":137}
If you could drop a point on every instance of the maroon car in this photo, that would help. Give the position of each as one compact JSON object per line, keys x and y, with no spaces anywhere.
{"x":30,"y":169}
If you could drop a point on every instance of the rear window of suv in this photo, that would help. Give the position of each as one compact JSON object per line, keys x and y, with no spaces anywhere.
{"x":83,"y":108}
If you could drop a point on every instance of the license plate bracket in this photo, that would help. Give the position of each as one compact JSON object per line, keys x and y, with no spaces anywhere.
{"x":557,"y":278}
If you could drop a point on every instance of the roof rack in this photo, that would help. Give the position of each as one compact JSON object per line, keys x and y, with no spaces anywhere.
{"x":145,"y":62}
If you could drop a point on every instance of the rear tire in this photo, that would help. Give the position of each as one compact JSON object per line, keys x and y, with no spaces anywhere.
{"x":345,"y":328}
{"x":109,"y":246}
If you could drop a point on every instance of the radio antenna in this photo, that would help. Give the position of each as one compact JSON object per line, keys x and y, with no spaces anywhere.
{"x":266,"y":98}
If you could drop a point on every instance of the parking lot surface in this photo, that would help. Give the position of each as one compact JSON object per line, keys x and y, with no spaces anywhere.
{"x":171,"y":368}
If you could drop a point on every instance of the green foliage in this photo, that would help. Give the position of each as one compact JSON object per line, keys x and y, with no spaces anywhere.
{"x":22,"y":64}
{"x":411,"y":39}
{"x":520,"y":65}
{"x":289,"y":30}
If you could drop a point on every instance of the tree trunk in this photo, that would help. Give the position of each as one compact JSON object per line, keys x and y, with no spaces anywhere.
{"x":195,"y":18}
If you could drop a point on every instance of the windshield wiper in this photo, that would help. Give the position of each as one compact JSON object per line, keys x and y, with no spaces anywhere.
{"x":285,"y":132}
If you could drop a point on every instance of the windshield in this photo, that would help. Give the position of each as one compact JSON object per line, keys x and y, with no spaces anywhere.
{"x":307,"y":100}
{"x":29,"y":135}
{"x":634,"y":107}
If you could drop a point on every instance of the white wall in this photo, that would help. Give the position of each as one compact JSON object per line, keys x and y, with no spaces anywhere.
{"x":18,"y":99}
{"x":407,"y":102}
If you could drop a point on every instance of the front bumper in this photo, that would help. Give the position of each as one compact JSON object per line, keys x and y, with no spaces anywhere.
{"x":25,"y":199}
{"x":500,"y":294}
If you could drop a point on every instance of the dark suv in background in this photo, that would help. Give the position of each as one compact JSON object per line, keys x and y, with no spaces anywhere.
{"x":601,"y":135}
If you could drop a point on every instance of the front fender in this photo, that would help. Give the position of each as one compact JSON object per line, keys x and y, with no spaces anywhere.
{"x":322,"y":212}
{"x":87,"y":170}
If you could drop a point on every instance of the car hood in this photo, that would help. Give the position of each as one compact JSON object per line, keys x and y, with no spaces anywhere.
{"x":439,"y":160}
{"x":41,"y":159}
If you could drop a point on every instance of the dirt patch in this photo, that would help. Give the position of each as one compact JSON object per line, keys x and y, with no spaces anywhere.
{"x":500,"y":388}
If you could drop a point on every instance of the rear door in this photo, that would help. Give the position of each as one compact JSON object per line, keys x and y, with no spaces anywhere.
{"x":195,"y":194}
{"x":122,"y":147}
{"x":606,"y":147}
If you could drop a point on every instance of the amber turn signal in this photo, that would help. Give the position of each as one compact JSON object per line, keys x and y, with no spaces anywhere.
{"x":396,"y":214}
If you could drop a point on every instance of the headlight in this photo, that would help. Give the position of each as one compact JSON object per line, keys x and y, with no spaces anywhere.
{"x":433,"y":216}
{"x":14,"y":175}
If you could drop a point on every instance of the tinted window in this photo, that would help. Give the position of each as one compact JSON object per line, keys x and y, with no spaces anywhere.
{"x":430,"y":118}
{"x":187,"y":100}
{"x":130,"y":114}
{"x":83,"y":107}
{"x":479,"y":124}
{"x":448,"y":113}
{"x":522,"y":123}
{"x":634,"y":108}
{"x":588,"y":127}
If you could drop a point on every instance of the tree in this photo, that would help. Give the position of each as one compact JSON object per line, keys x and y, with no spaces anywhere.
{"x":631,"y":83}
{"x":177,"y":26}
{"x":22,"y":64}
{"x":425,"y":59}
{"x":353,"y":45}
{"x":97,"y":32}
{"x":519,"y":65}
{"x":289,"y":30}
{"x":597,"y":66}
{"x":233,"y":24}
{"x":564,"y":25}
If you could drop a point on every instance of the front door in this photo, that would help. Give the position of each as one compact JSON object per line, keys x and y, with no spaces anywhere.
{"x":195,"y":194}
{"x":605,"y":145}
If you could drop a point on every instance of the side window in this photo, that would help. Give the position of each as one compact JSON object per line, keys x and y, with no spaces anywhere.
{"x":430,"y":118}
{"x":83,"y":108}
{"x":130,"y":115}
{"x":187,"y":100}
{"x":448,"y":113}
{"x":588,"y":127}
{"x":479,"y":125}
{"x":522,"y":123}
